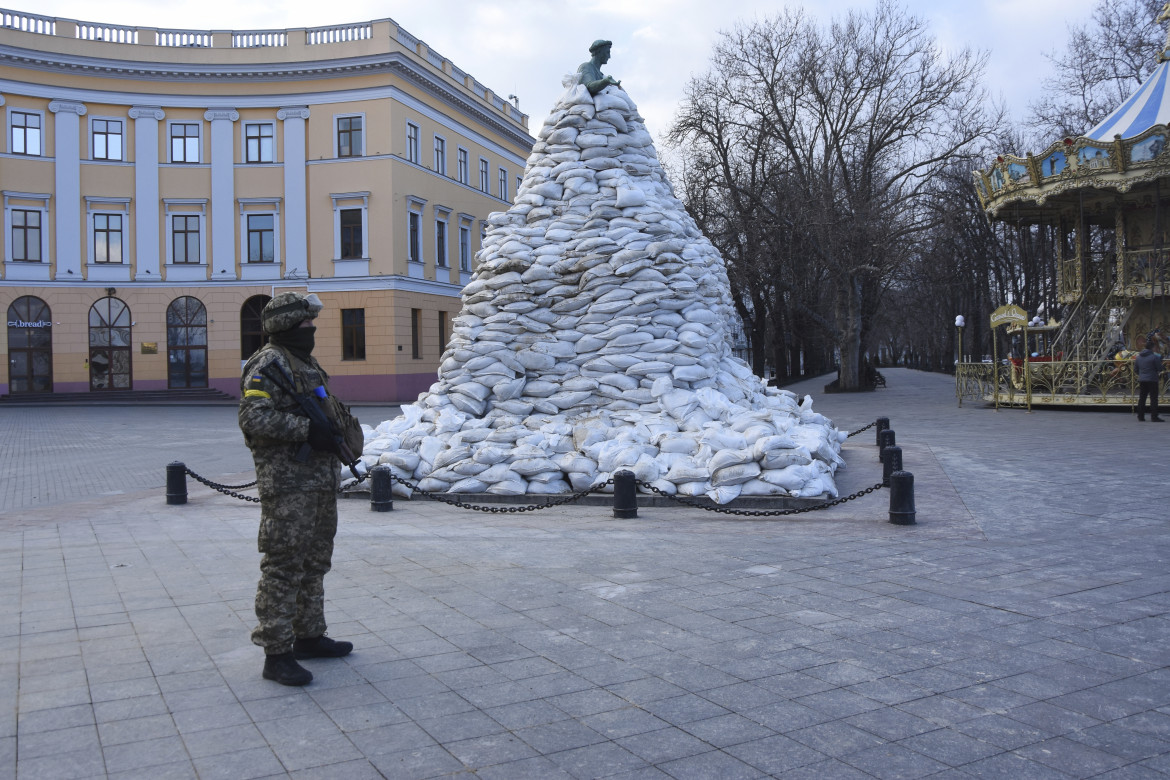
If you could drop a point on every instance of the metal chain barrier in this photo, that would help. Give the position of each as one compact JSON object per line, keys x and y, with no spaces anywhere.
{"x":227,"y":490}
{"x":501,"y":509}
{"x":756,"y":512}
{"x":859,"y":430}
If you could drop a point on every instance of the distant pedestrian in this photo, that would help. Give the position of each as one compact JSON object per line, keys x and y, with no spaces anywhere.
{"x":1149,"y":368}
{"x":297,"y":476}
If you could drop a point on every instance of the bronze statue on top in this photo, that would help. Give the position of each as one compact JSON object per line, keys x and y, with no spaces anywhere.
{"x":590,"y":73}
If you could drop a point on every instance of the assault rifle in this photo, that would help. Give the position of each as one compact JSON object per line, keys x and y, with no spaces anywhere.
{"x":310,"y":404}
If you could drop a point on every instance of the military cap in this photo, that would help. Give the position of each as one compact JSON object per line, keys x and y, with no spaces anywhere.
{"x":288,"y":310}
{"x":598,"y":45}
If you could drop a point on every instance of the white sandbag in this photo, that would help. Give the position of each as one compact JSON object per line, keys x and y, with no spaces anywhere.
{"x":552,"y":487}
{"x":666,"y":486}
{"x":734,"y":475}
{"x":432,"y":485}
{"x":490,"y":455}
{"x":647,"y":469}
{"x":452,"y":455}
{"x":527,"y":467}
{"x":680,"y":444}
{"x":758,"y":487}
{"x":779,"y":459}
{"x":791,"y":478}
{"x":692,"y":488}
{"x":510,"y":487}
{"x":725,"y":494}
{"x":406,"y":460}
{"x":729,"y":457}
{"x":468,"y":485}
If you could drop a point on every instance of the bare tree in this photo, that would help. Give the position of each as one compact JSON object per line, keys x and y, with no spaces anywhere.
{"x":1106,"y":60}
{"x":824,"y":141}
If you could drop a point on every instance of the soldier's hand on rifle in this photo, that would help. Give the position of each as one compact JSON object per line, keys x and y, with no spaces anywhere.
{"x":321,"y":437}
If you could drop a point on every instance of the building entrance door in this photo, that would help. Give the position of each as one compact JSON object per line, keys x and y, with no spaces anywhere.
{"x":109,"y":345}
{"x":30,"y":346}
{"x":186,"y":343}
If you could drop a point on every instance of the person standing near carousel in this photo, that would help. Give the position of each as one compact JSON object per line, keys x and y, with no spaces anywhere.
{"x":1149,"y":369}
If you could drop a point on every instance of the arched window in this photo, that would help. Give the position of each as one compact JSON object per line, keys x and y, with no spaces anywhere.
{"x":251,"y":333}
{"x":109,"y":345}
{"x":30,"y":346}
{"x":186,"y":343}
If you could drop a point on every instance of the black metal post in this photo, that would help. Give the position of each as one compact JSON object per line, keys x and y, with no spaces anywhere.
{"x":891,"y":462}
{"x":176,"y":483}
{"x":902,"y":498}
{"x":381,"y":489}
{"x":625,"y":495}
{"x":882,"y":424}
{"x":885,"y":439}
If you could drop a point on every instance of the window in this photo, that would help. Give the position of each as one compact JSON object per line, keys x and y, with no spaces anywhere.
{"x":258,"y":142}
{"x":415,"y":333}
{"x":519,"y":182}
{"x":465,"y":248}
{"x":503,"y":189}
{"x":351,"y":233}
{"x":414,"y":250}
{"x":261,"y":238}
{"x":353,"y":334}
{"x":349,"y":136}
{"x":252,"y":335}
{"x":441,"y":241}
{"x":440,"y":156}
{"x":26,"y":236}
{"x":106,"y":137}
{"x":463,"y":165}
{"x":185,"y":238}
{"x":483,"y":175}
{"x":107,"y":238}
{"x":412,"y":151}
{"x":26,"y":133}
{"x":442,"y":332}
{"x":185,"y":142}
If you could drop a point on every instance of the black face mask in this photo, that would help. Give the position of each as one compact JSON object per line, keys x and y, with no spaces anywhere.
{"x":298,"y":341}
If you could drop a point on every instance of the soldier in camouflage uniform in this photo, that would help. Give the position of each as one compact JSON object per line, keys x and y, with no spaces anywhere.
{"x":298,"y":491}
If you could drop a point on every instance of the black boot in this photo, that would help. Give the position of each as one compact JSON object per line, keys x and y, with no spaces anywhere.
{"x":320,"y":647}
{"x":284,"y":669}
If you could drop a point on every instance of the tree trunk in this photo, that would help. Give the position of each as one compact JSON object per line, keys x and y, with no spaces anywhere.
{"x":848,"y":311}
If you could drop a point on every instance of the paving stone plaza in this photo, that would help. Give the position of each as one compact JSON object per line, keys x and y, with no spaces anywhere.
{"x":1018,"y":631}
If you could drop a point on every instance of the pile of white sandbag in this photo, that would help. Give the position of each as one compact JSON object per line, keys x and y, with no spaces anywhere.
{"x":594,"y":337}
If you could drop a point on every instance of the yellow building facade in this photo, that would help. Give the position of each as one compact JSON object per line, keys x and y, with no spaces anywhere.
{"x":160,"y":186}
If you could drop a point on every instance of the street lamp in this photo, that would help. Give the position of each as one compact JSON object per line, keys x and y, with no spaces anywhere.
{"x":960,"y":322}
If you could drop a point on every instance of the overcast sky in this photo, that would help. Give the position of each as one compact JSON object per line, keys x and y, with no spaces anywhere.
{"x":524,"y":47}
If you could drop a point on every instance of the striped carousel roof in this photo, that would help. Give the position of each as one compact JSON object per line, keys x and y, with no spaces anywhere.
{"x":1147,"y":107}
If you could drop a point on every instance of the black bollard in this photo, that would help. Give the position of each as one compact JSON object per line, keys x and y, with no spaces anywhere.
{"x":885,"y":439}
{"x":176,"y":483}
{"x":381,"y":489}
{"x":625,"y":495}
{"x":902,"y":498}
{"x":882,"y":424}
{"x":891,"y":462}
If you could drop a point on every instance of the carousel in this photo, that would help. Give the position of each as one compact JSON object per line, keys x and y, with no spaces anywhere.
{"x":1098,"y":199}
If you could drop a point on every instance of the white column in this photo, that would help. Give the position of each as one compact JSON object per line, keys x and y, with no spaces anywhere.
{"x":146,"y":205}
{"x":223,"y":193}
{"x":67,"y":187}
{"x":296,"y":221}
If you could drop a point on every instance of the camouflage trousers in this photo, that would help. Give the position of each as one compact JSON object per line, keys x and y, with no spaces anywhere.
{"x":296,"y":541}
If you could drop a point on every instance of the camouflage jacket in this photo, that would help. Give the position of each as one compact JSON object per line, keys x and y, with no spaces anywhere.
{"x":274,"y":426}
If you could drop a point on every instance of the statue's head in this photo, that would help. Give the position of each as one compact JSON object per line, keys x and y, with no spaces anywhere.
{"x":601,"y":47}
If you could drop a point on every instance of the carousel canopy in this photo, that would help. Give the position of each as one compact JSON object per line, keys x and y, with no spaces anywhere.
{"x":1147,"y":107}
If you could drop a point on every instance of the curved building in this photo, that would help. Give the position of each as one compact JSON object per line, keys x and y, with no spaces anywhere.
{"x":160,"y":186}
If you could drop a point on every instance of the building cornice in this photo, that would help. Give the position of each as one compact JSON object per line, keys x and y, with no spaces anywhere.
{"x":395,"y":63}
